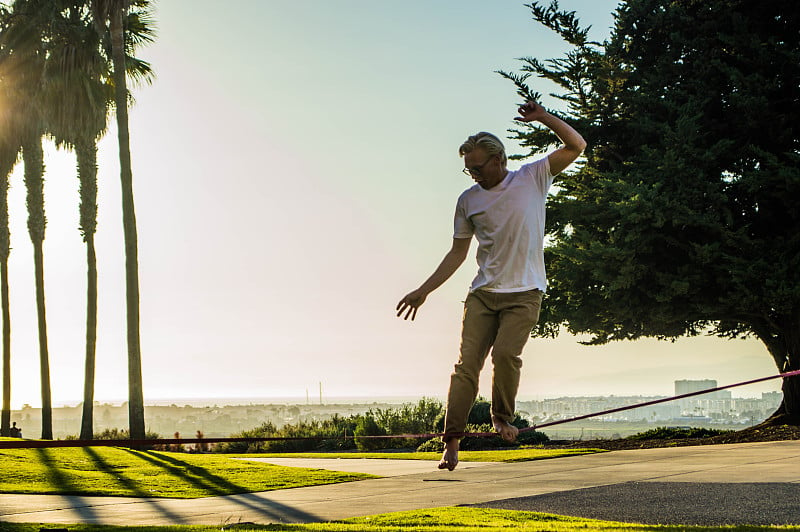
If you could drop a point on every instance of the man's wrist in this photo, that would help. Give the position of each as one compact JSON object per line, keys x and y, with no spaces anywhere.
{"x":545,"y":118}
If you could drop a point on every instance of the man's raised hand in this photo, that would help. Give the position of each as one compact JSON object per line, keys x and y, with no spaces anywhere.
{"x":530,"y":111}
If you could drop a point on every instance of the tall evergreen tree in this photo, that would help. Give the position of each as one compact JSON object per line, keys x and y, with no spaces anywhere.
{"x":682,"y":219}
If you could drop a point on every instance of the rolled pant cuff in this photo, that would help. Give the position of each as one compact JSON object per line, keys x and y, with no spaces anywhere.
{"x":451,"y":435}
{"x":503,"y":417}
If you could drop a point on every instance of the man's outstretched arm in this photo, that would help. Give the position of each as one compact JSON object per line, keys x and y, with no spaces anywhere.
{"x":573,"y":141}
{"x":450,"y":263}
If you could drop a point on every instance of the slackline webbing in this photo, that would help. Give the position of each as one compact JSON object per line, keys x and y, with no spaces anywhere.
{"x":138,"y":444}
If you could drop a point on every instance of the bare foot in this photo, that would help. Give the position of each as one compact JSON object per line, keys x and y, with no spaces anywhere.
{"x":450,"y":457}
{"x":506,"y":431}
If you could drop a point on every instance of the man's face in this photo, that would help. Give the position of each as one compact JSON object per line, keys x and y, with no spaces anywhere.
{"x":486,"y":170}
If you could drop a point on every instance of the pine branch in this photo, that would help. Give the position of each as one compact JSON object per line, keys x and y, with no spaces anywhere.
{"x":562,"y":22}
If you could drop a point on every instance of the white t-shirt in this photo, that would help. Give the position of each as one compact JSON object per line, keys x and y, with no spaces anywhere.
{"x":508,"y":221}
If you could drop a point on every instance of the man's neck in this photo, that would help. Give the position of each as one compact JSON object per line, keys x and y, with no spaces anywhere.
{"x":489,"y":186}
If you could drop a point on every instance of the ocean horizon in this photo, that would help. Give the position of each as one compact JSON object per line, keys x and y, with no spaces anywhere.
{"x":332,"y":400}
{"x":255,"y":400}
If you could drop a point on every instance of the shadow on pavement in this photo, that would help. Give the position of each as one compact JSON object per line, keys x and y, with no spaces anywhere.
{"x":134,"y":487}
{"x":204,"y":479}
{"x":671,"y":503}
{"x":57,"y":478}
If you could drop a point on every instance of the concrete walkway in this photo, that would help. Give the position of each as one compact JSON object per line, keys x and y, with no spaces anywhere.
{"x":385,"y":467}
{"x":776,"y":463}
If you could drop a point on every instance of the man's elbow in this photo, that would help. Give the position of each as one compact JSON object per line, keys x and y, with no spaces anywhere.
{"x":574,"y":150}
{"x":579,"y":147}
{"x":460,"y":249}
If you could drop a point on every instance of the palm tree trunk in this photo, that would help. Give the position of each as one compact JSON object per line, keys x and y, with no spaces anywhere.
{"x":6,"y":415}
{"x":135,"y":392}
{"x":87,"y":420}
{"x":5,"y":249}
{"x":44,"y":357}
{"x":86,"y":152}
{"x":33,"y":157}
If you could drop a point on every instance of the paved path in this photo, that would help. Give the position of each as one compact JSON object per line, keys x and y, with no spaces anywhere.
{"x":697,"y":471}
{"x":674,"y":503}
{"x":385,"y":467}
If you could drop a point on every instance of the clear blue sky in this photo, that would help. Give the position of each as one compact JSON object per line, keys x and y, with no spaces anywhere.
{"x":296,"y":171}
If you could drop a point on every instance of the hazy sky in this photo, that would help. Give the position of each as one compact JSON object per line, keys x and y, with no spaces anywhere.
{"x":296,"y":172}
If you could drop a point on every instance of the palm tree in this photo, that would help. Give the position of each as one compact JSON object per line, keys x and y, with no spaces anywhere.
{"x":113,"y":17}
{"x":9,"y":154}
{"x":8,"y":159}
{"x":24,"y":40}
{"x":77,"y":95}
{"x":33,"y":157}
{"x":79,"y":92}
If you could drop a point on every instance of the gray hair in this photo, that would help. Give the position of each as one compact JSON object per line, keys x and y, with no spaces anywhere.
{"x":490,"y":144}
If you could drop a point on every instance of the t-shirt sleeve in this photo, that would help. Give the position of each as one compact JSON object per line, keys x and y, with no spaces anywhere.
{"x":539,"y":173}
{"x":463,"y":227}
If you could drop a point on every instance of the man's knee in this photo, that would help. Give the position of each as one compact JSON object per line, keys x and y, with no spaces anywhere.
{"x":507,"y":359}
{"x":465,"y":373}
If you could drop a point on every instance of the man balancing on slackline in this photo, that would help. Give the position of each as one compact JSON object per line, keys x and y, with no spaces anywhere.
{"x":505,"y":210}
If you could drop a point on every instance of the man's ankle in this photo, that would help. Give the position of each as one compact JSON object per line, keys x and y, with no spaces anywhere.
{"x":497,"y":420}
{"x":506,"y":430}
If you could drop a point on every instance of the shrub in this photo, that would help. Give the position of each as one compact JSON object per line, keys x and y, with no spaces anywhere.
{"x":481,"y":414}
{"x":116,"y":434}
{"x":533,"y":437}
{"x":425,"y":416}
{"x":419,"y":418}
{"x":367,"y":426}
{"x":674,"y":433}
{"x":480,"y":443}
{"x":326,"y":435}
{"x":265,"y":430}
{"x":433,"y":445}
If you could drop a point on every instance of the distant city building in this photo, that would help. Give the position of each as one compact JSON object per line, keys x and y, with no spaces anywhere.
{"x":701,"y":405}
{"x":712,"y":407}
{"x":687,"y":386}
{"x":774,"y":398}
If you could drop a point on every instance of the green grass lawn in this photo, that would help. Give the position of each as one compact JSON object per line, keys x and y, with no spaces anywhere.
{"x":118,"y":471}
{"x":124,"y":472}
{"x":502,"y":455}
{"x":431,"y":520}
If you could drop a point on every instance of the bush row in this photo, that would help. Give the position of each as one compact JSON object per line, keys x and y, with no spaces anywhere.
{"x":348,"y":433}
{"x":674,"y":433}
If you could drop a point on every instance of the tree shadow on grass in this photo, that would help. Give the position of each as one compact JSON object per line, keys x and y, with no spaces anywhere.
{"x":64,"y":486}
{"x":202,"y":478}
{"x":55,"y":475}
{"x":134,"y":487}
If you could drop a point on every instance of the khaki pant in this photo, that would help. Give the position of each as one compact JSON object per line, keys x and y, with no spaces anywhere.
{"x":500,"y":323}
